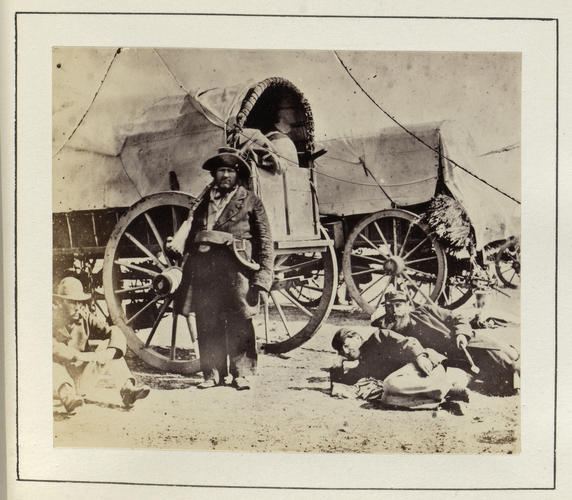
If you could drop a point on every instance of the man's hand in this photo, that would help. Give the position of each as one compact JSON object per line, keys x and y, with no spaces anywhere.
{"x":424,"y":364}
{"x":338,"y":363}
{"x":175,"y":245}
{"x":254,"y":293}
{"x":462,"y":342}
{"x":172,"y":247}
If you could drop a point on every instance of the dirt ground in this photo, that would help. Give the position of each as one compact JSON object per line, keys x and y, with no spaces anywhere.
{"x":289,"y":409}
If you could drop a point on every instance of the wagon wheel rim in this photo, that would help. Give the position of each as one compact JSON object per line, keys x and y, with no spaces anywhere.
{"x":456,"y":292}
{"x":140,"y":282}
{"x":308,"y":291}
{"x":507,"y":263}
{"x":393,"y":248}
{"x":290,"y":272}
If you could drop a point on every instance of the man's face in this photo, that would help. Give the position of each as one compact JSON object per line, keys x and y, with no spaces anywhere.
{"x":398,"y":309}
{"x":351,"y":347}
{"x":71,"y":309}
{"x":225,"y":178}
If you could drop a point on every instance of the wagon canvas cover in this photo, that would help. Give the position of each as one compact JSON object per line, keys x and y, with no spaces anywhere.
{"x":118,"y":139}
{"x":365,"y":174}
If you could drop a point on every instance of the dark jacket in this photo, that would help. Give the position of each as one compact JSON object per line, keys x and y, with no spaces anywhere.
{"x":244,"y":217}
{"x":215,"y":279}
{"x":381,"y":354}
{"x":434,"y":327}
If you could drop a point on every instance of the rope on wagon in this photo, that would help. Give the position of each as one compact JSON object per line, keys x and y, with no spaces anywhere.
{"x":348,"y":181}
{"x":393,"y":119}
{"x":117,"y":52}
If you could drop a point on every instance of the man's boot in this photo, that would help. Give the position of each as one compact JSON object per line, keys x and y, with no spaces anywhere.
{"x":212,"y":379}
{"x":69,"y":398}
{"x":131,"y":392}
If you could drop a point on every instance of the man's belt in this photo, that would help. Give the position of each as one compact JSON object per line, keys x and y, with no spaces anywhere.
{"x":207,"y":239}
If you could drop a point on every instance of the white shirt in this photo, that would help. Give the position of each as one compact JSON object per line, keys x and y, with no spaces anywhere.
{"x":217,"y":203}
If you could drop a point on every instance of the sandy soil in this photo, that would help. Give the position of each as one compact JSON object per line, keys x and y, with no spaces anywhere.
{"x":288,"y":409}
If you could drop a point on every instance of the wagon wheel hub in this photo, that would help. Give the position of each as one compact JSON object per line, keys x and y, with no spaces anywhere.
{"x":394,"y":265}
{"x":168,"y":281}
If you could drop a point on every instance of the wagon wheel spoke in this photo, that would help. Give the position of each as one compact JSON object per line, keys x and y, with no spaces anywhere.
{"x":446,"y":295}
{"x":415,"y":248}
{"x":412,"y":283}
{"x":123,"y":291}
{"x":372,"y":284}
{"x":512,"y":277}
{"x":381,"y":234}
{"x":157,"y":321}
{"x":417,"y":261}
{"x":370,"y":244}
{"x":381,"y":294}
{"x":137,"y":268}
{"x":394,"y":237}
{"x":145,"y":250}
{"x":368,"y":257}
{"x":157,"y":237}
{"x":143,"y":309}
{"x":405,"y":239}
{"x":174,"y":220}
{"x":296,"y":303}
{"x":192,"y":331}
{"x":309,"y":287}
{"x":174,"y":336}
{"x":408,"y":293}
{"x":298,"y":266}
{"x":365,"y":271}
{"x":274,"y":295}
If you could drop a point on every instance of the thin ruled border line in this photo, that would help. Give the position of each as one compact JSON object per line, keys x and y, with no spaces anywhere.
{"x":310,"y":16}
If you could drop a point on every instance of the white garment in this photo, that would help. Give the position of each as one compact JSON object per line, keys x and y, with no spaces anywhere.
{"x":217,"y":203}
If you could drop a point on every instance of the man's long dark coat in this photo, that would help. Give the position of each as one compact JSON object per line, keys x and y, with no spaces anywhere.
{"x":438,"y":328}
{"x":215,"y":285}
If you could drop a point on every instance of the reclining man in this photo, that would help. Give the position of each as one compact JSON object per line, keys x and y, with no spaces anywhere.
{"x":396,"y":371}
{"x":78,"y":365}
{"x":450,"y":334}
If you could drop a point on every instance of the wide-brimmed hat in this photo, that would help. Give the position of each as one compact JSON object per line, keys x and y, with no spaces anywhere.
{"x":70,"y":288}
{"x":396,"y":296}
{"x":230,"y":158}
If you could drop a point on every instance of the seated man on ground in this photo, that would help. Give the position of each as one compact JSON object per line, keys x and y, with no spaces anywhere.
{"x":396,"y":371}
{"x":78,"y":364}
{"x":450,"y":334}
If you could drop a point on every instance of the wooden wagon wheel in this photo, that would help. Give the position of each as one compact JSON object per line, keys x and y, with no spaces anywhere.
{"x":140,"y":282}
{"x":507,"y":263}
{"x":314,"y":270}
{"x":457,"y":291}
{"x":393,"y":247}
{"x":309,"y":291}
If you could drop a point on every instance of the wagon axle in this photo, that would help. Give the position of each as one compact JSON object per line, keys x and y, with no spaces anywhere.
{"x":394,"y":265}
{"x":168,"y":281}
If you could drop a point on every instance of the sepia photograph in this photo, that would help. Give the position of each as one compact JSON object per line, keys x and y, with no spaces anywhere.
{"x":313,"y":251}
{"x":266,"y":251}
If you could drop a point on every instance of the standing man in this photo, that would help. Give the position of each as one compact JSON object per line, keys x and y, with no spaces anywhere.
{"x":450,"y":334}
{"x":230,"y":264}
{"x":78,"y":363}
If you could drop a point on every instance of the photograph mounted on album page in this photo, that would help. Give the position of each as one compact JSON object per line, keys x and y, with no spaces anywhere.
{"x":281,"y":258}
